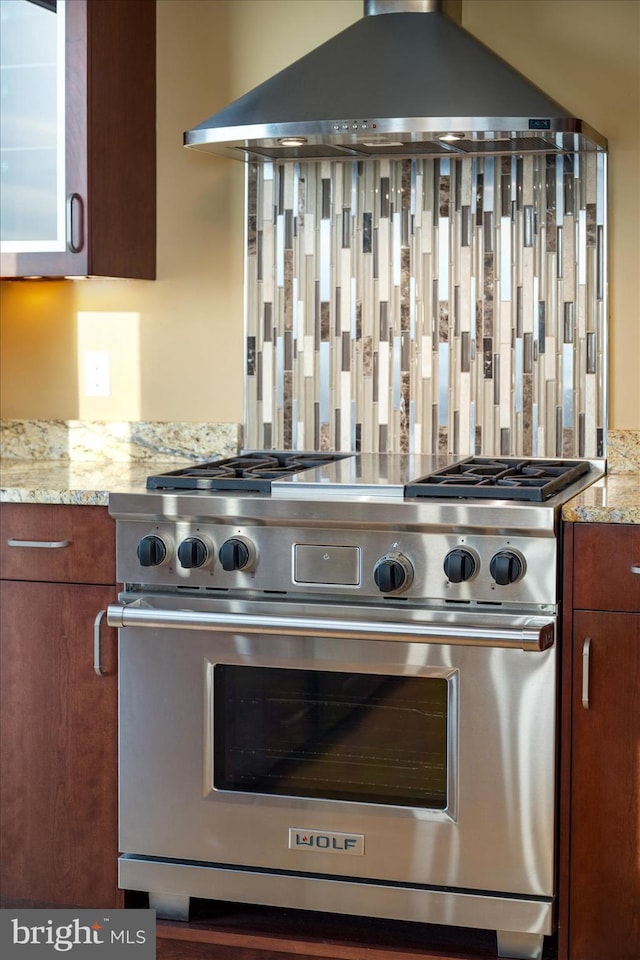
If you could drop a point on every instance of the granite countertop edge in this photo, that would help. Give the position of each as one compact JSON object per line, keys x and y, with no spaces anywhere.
{"x":79,"y":482}
{"x":613,"y":499}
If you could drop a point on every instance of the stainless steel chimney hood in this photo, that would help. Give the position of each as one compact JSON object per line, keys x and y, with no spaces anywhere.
{"x":404,"y":81}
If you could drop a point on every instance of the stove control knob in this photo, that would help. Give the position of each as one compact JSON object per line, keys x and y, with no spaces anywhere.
{"x":506,"y":567}
{"x":393,"y":573}
{"x":152,"y":551}
{"x":193,"y":552}
{"x":460,"y":565}
{"x":236,"y":554}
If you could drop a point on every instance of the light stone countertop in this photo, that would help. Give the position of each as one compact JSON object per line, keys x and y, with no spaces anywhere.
{"x":73,"y":481}
{"x":79,"y":462}
{"x":614,"y":499}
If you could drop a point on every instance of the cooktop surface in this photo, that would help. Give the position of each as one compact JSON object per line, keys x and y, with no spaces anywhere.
{"x":327,"y":475}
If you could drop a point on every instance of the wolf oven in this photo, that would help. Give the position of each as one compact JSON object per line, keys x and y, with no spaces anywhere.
{"x":339,"y":693}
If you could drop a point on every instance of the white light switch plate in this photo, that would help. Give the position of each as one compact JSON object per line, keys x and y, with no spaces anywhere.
{"x":97,"y":374}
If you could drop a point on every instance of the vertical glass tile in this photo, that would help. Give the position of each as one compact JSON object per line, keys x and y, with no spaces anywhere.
{"x":528,"y":226}
{"x":569,"y":185}
{"x":581,"y":254}
{"x":465,"y":226}
{"x":567,"y":383}
{"x":600,"y":263}
{"x":443,"y":384}
{"x":443,"y":258}
{"x":346,"y":228}
{"x":559,"y":207}
{"x":384,"y":197}
{"x":568,"y":322}
{"x":488,"y":231}
{"x":591,"y":353}
{"x":559,"y":253}
{"x":542,"y":326}
{"x":505,"y":188}
{"x":488,"y":184}
{"x":325,"y":206}
{"x":465,"y":353}
{"x":518,"y":375}
{"x":527,"y":362}
{"x":505,"y":258}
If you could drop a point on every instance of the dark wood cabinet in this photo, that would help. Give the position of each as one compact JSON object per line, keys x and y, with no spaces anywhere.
{"x":600,"y":826}
{"x":105,"y":211}
{"x":58,"y":719}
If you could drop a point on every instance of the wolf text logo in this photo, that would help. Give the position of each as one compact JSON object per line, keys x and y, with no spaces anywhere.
{"x":351,"y":843}
{"x":66,"y":936}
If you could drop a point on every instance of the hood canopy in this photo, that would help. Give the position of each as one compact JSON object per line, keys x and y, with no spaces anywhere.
{"x":404,"y":81}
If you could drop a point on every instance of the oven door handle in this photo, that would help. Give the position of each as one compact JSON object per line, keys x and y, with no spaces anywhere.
{"x":537,"y":634}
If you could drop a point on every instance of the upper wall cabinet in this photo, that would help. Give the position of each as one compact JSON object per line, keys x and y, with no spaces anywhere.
{"x":78,"y":138}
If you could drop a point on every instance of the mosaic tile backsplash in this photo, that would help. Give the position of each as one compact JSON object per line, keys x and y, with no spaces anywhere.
{"x":451,"y":305}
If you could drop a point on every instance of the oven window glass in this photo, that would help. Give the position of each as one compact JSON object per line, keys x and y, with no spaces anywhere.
{"x":341,"y":736}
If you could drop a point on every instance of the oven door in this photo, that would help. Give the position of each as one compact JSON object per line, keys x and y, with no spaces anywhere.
{"x":309,"y":740}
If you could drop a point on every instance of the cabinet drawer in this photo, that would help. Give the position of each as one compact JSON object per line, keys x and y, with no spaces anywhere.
{"x":57,"y":543}
{"x":605,"y":558}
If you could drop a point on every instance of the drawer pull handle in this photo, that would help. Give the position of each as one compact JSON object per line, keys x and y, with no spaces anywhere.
{"x":43,"y":544}
{"x":586,"y":651}
{"x":97,"y":651}
{"x":635,"y":568}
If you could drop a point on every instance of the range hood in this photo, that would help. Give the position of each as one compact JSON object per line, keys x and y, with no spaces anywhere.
{"x":404,"y":81}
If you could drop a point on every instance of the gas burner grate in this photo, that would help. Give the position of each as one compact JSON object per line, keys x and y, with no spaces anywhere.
{"x":507,"y":478}
{"x":248,"y":472}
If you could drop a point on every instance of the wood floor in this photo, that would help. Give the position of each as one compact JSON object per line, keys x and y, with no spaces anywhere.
{"x":236,"y":932}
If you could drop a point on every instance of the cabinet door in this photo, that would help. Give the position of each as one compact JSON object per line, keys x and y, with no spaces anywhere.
{"x":58,"y":720}
{"x":32,"y":151}
{"x":79,"y":168}
{"x":607,"y":558}
{"x":605,"y":789}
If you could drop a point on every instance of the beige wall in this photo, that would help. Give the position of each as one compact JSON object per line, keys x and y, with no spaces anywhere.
{"x":186,"y":327}
{"x":182,"y":357}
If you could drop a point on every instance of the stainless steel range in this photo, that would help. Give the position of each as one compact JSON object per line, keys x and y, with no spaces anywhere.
{"x":338,"y":686}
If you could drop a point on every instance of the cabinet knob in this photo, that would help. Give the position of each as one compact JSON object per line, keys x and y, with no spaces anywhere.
{"x":635,"y":568}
